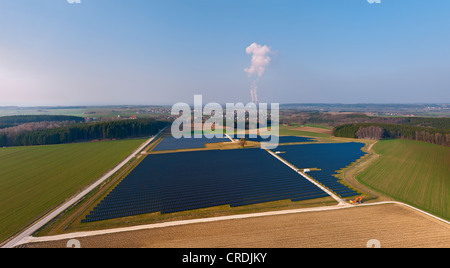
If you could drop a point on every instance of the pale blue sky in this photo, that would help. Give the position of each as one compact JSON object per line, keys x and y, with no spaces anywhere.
{"x":165,"y":51}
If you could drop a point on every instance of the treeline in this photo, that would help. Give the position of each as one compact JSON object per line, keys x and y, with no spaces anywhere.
{"x":15,"y":120}
{"x":433,"y":122}
{"x":289,"y":117}
{"x":86,"y":132}
{"x":393,"y":131}
{"x":27,"y":127}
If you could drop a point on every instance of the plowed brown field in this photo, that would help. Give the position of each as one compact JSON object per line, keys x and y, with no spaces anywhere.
{"x":395,"y":226}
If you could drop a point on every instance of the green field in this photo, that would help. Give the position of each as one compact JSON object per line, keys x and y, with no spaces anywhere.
{"x":34,"y":180}
{"x":413,"y":172}
{"x":319,"y":126}
{"x":290,"y":131}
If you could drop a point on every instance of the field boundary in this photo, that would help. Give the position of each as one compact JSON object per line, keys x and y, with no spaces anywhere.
{"x":47,"y":218}
{"x":30,"y":239}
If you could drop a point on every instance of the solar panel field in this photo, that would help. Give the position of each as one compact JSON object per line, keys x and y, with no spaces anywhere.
{"x":329,"y":158}
{"x":184,"y":181}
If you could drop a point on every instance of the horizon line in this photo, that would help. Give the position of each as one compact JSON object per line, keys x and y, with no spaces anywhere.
{"x":163,"y":105}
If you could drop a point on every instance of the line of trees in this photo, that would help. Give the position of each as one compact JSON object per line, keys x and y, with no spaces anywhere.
{"x":15,"y":120}
{"x":28,"y":127}
{"x":86,"y":132}
{"x":289,"y":117}
{"x":393,"y":131}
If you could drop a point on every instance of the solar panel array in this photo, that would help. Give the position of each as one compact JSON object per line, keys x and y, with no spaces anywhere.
{"x":170,"y":143}
{"x":329,"y":158}
{"x":184,"y":181}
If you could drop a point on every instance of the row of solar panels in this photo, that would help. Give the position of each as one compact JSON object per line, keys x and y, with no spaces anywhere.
{"x":235,"y":190}
{"x":327,"y":179}
{"x":169,"y":208}
{"x":171,"y":204}
{"x":142,"y":209}
{"x":225,"y":196}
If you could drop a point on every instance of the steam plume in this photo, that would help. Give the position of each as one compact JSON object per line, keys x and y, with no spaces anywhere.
{"x":260,"y":60}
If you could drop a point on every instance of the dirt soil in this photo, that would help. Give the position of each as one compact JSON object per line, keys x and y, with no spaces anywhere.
{"x":394,"y":226}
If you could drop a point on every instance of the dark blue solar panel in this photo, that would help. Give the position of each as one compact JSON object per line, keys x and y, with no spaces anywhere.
{"x":329,"y":158}
{"x":170,"y":183}
{"x":170,"y":143}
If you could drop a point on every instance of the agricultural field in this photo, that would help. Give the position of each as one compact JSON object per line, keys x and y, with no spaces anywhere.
{"x":413,"y":172}
{"x":393,"y":225}
{"x":34,"y":180}
{"x":314,"y":132}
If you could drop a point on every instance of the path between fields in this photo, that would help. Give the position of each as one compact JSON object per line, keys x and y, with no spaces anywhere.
{"x":40,"y":223}
{"x":31,"y":239}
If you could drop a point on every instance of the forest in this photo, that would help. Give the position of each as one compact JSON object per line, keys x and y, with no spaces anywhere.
{"x":85,"y":132}
{"x":15,"y":120}
{"x":336,"y":119}
{"x":393,"y":131}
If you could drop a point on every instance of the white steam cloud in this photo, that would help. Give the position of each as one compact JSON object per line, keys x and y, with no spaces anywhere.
{"x":260,"y":60}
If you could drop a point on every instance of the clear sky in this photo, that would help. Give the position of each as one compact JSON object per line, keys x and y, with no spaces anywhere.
{"x":165,"y":51}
